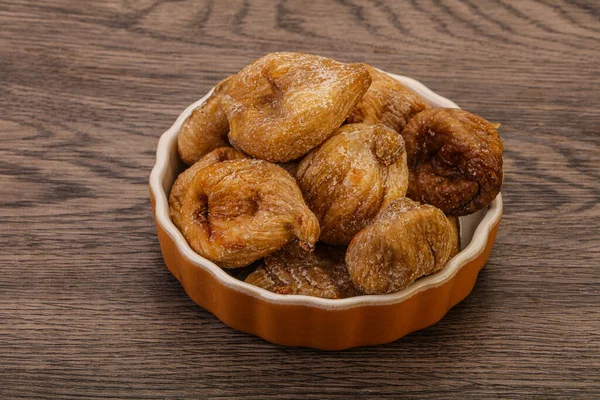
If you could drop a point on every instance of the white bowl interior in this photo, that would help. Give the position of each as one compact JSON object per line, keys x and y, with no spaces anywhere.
{"x":474,"y":228}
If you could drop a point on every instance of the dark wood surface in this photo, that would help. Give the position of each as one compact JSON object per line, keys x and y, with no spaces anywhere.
{"x":87,"y":307}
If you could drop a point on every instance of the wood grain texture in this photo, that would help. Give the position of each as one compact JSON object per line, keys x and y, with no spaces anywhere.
{"x":87,"y":307}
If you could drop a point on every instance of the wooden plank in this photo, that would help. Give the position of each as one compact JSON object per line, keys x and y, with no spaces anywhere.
{"x":87,"y":308}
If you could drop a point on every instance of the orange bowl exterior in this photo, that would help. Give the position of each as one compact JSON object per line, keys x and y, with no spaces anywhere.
{"x":316,"y":327}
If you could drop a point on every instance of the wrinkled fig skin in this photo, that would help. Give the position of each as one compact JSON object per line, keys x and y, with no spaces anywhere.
{"x":285,"y":104}
{"x":387,"y":102}
{"x":238,"y":211}
{"x":205,"y":129}
{"x":351,"y":177}
{"x":181,"y":184}
{"x":454,"y":159}
{"x":403,"y":243}
{"x":292,"y":270}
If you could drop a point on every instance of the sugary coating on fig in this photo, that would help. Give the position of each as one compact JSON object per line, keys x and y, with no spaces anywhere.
{"x":205,"y":129}
{"x":238,"y":211}
{"x":455,"y":160}
{"x":403,"y":243}
{"x":351,"y":177}
{"x":387,"y":102}
{"x":182,"y":183}
{"x":292,"y":270}
{"x":284,"y":104}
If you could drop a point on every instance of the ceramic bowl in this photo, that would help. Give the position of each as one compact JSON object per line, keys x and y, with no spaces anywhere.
{"x":297,"y":320}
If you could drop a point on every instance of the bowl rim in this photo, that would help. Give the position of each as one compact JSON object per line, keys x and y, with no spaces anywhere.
{"x":161,"y":211}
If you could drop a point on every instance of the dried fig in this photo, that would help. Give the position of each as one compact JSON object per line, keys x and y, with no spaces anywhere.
{"x":284,"y":104}
{"x":455,"y":237}
{"x":387,"y":102}
{"x":238,"y":211}
{"x":455,"y":160}
{"x":351,"y":177}
{"x":292,"y":270}
{"x":205,"y":129}
{"x":181,"y":184}
{"x":403,"y":243}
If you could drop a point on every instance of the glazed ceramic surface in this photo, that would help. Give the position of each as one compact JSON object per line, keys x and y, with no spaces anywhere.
{"x":310,"y":321}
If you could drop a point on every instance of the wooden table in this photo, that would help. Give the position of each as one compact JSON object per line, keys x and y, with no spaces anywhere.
{"x":87,"y":307}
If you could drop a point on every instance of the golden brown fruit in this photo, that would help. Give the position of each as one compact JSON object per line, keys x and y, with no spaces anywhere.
{"x":351,"y":177}
{"x":181,"y":184}
{"x":387,"y":102}
{"x":238,"y":211}
{"x":403,"y":243}
{"x":205,"y":129}
{"x":284,"y":104}
{"x":455,"y":160}
{"x":455,"y":237}
{"x":292,"y":270}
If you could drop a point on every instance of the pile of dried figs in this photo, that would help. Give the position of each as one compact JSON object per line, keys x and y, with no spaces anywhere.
{"x":332,"y":179}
